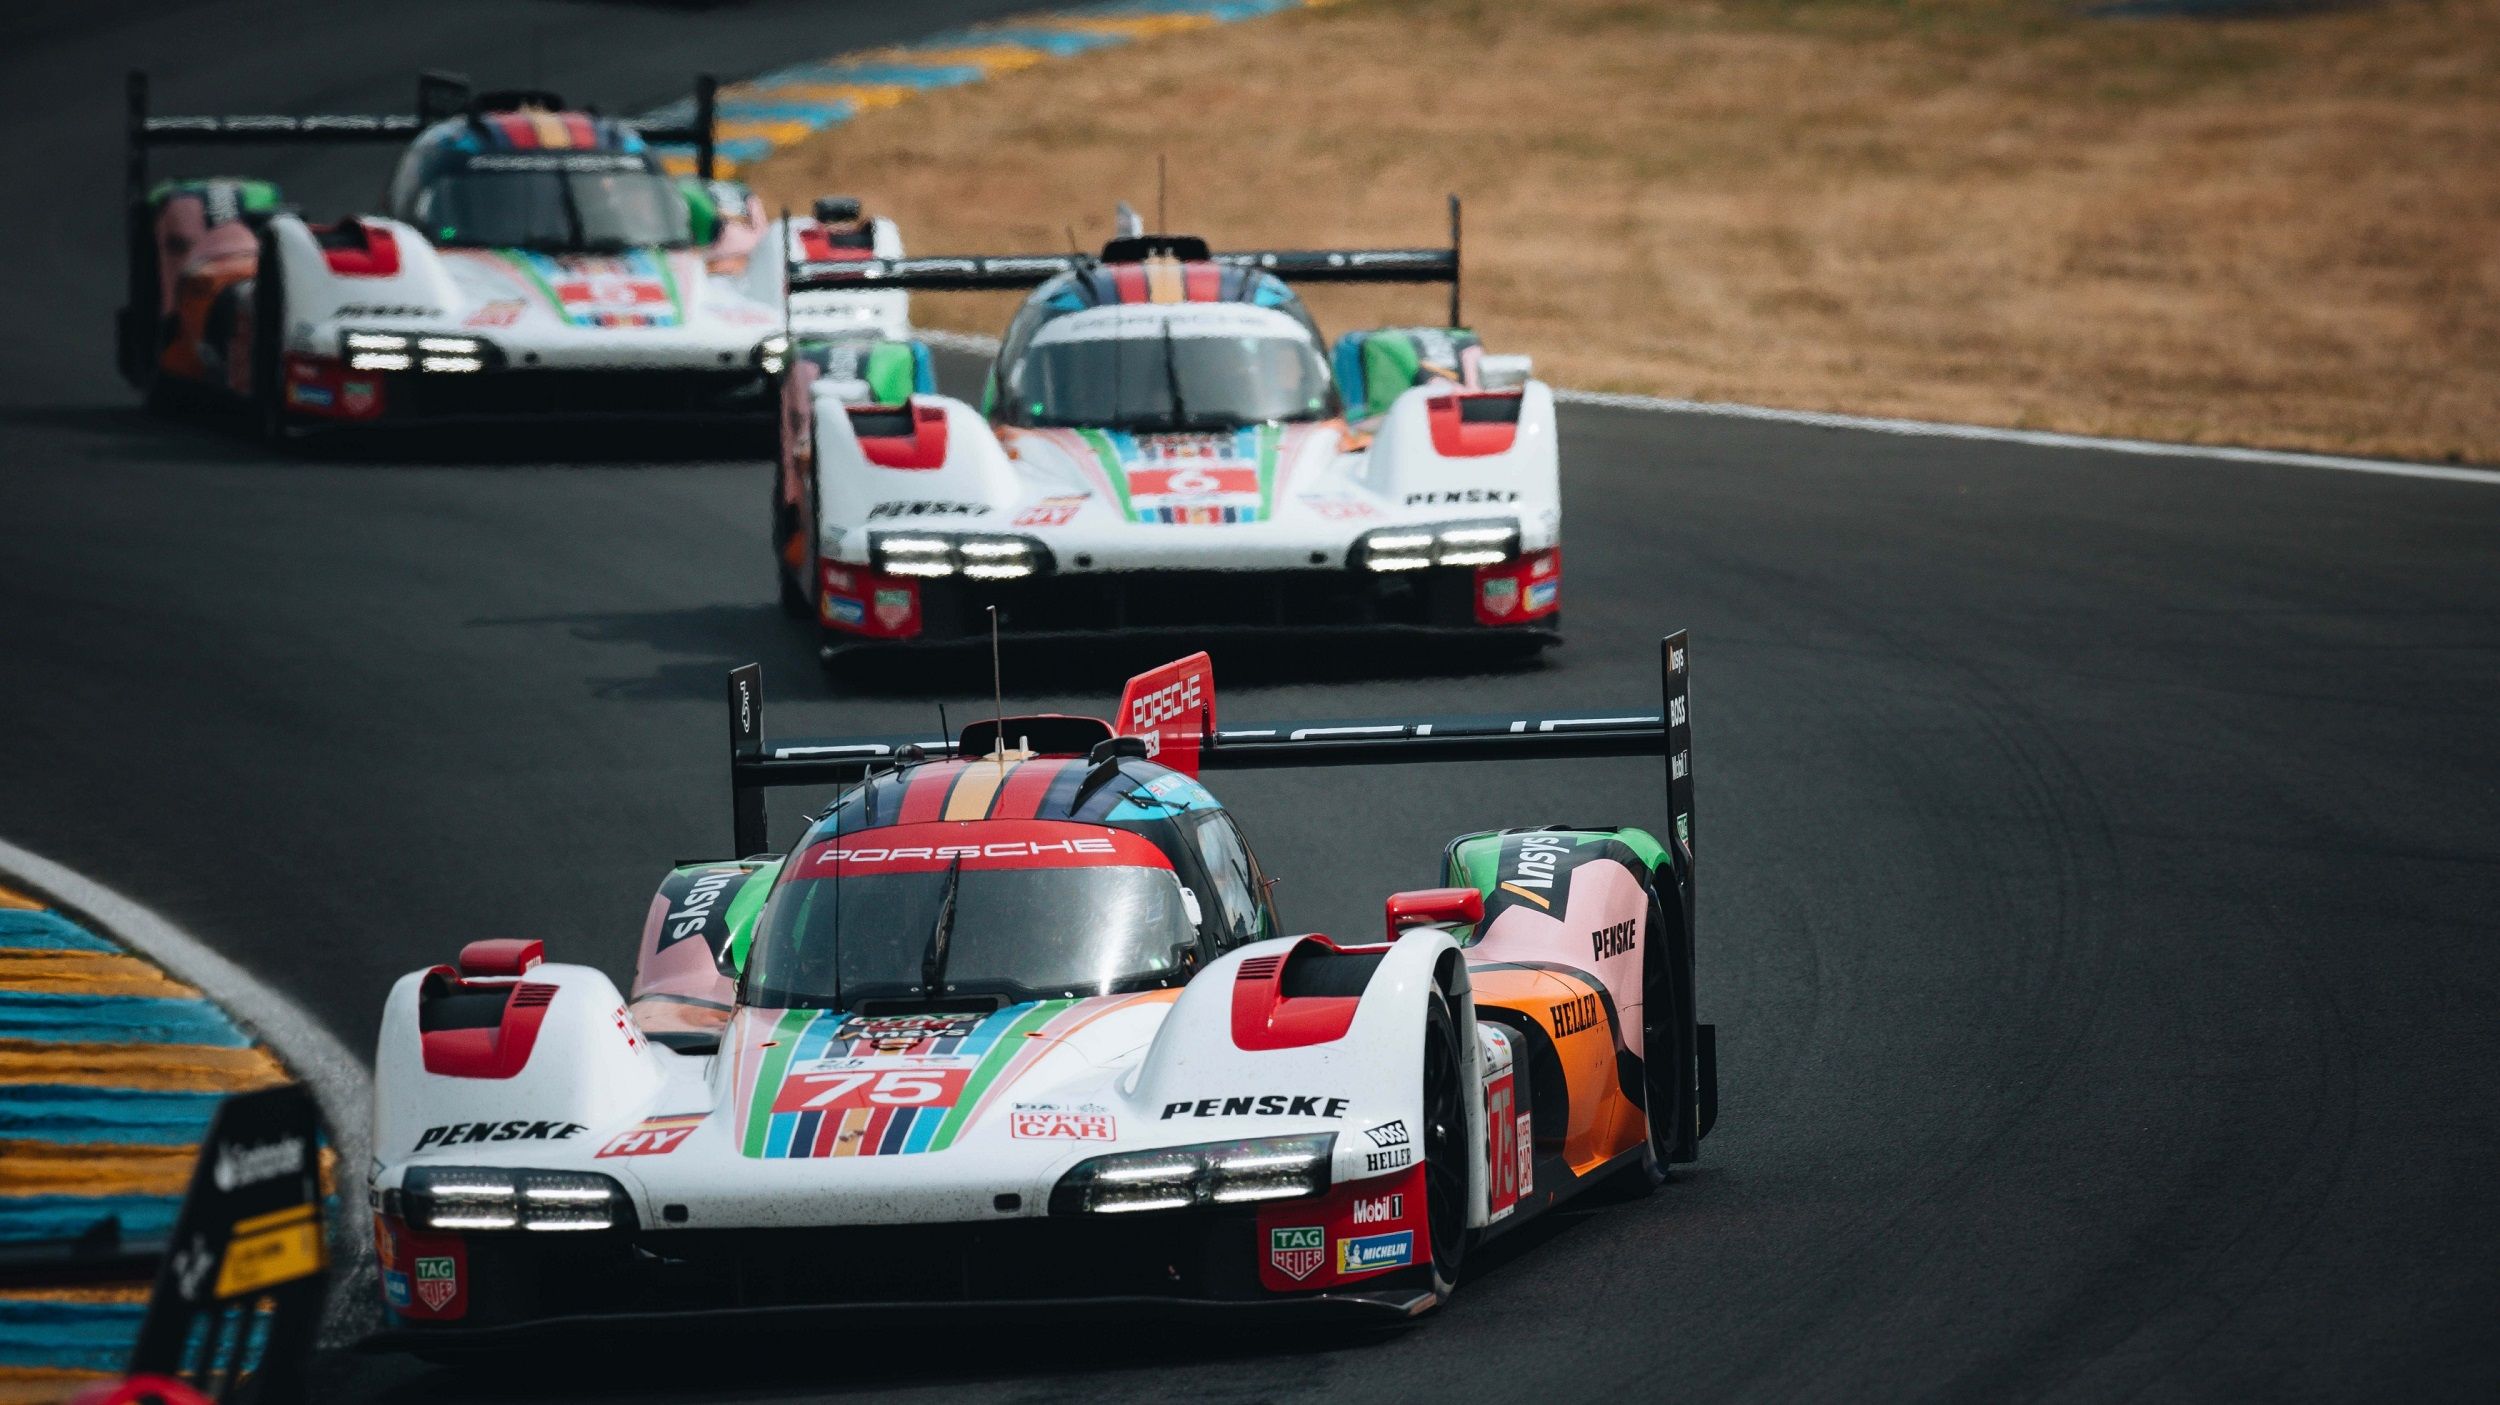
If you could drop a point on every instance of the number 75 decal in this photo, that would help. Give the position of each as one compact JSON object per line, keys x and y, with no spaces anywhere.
{"x":854,"y":1088}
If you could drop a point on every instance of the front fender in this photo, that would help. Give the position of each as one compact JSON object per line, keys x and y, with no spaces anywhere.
{"x":1406,"y":465}
{"x":587,"y":1066}
{"x":319,"y":301}
{"x":1229,"y":1063}
{"x":969,"y":489}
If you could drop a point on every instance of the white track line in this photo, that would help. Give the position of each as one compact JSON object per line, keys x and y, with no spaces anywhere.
{"x":1937,"y":429}
{"x":2392,"y":468}
{"x":336,"y":1076}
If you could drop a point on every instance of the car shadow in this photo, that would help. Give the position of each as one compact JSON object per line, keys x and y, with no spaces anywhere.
{"x":1089,"y":666}
{"x":946,"y":1349}
{"x":724,"y":636}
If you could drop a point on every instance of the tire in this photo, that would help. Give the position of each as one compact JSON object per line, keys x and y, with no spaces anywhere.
{"x":1665,"y":1045}
{"x":269,"y":412}
{"x":1446,"y":1146}
{"x":798,"y":594}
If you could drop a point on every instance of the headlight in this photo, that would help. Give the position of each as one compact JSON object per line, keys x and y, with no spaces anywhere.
{"x":471,"y":1199}
{"x":772,"y":353}
{"x":1485,"y":543}
{"x":979,"y":556}
{"x":402,"y":351}
{"x":1186,"y":1177}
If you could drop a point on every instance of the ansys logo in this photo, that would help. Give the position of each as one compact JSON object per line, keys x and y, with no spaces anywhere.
{"x":1298,"y":1251}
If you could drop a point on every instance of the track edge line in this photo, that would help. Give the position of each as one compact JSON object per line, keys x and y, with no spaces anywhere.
{"x":340,"y":1085}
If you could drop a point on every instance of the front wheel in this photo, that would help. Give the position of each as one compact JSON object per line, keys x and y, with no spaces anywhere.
{"x":1446,"y":1180}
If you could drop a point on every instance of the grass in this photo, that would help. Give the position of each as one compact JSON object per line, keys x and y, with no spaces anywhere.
{"x":2282,"y":230}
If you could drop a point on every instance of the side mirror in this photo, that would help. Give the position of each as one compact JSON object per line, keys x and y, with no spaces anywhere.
{"x":1505,"y":372}
{"x":1451,"y":905}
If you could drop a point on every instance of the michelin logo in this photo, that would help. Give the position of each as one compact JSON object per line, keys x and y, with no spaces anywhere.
{"x":1373,"y":1252}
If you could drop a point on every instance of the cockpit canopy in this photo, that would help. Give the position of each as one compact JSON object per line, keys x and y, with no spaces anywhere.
{"x":555,"y":182}
{"x":1149,"y":368}
{"x":950,"y":911}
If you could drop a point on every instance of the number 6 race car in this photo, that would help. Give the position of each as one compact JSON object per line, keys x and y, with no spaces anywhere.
{"x":536,"y":260}
{"x":1014,"y":1023}
{"x":1167,"y":444}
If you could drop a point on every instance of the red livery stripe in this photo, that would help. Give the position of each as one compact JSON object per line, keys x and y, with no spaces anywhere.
{"x":925,"y":798}
{"x":1205,"y":282}
{"x":1021,"y":797}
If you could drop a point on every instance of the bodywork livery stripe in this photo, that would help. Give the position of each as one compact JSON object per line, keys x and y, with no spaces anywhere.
{"x":1021,"y":797}
{"x":1114,"y":476}
{"x":775,"y":1061}
{"x":1009,"y":1044}
{"x":1267,"y":435}
{"x":925,"y":798}
{"x":977,"y":787}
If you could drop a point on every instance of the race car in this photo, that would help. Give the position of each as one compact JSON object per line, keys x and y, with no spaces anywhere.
{"x":1166,"y":442}
{"x":1015,"y":1022}
{"x":533,"y":259}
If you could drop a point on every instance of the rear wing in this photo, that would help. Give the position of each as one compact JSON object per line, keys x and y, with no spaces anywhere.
{"x":1177,"y":719}
{"x":439,"y":95}
{"x":959,"y":273}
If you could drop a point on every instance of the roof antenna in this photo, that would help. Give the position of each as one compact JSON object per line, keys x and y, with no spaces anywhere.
{"x":1162,"y":225}
{"x":944,"y":734}
{"x":998,"y":693}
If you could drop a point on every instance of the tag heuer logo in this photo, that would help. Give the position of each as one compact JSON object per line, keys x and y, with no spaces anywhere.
{"x":437,"y":1280}
{"x":1299,"y":1251}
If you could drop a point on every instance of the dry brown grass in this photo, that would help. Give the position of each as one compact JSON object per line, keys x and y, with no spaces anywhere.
{"x":2275,"y":231}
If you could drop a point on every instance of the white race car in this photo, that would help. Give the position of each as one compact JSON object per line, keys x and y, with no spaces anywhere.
{"x":533,"y":260}
{"x":1167,"y":443}
{"x":1017,"y":1023}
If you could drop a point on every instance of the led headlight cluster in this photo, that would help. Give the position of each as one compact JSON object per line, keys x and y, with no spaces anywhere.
{"x":410,"y":351}
{"x":772,"y":353}
{"x":977,"y":555}
{"x":1483,"y":543}
{"x":471,"y":1199}
{"x":1185,"y":1177}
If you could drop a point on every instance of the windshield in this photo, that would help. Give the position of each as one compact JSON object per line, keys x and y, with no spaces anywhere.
{"x":1172,"y":380}
{"x":844,"y":929}
{"x":601,"y":202}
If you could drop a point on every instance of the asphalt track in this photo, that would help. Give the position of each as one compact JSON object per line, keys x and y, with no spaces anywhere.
{"x":2099,"y":852}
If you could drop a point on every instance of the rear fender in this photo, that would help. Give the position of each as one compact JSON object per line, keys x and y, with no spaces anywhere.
{"x":1256,"y":1037}
{"x":686,"y":968}
{"x":586,"y":1064}
{"x":1569,"y":919}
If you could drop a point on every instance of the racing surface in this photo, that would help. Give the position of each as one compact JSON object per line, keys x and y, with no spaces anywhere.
{"x":2097,"y":853}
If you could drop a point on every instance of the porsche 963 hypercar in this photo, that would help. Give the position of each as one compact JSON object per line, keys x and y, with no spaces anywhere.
{"x":534,"y":260}
{"x":1014,"y":1022}
{"x":1166,"y":442}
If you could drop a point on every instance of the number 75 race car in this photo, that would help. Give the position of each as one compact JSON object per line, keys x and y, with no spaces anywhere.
{"x":1014,"y":1023}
